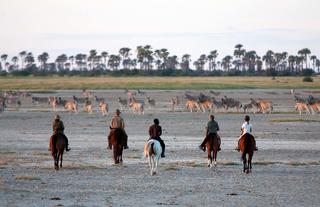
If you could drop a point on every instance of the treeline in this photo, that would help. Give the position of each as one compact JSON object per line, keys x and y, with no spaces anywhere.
{"x":144,"y":61}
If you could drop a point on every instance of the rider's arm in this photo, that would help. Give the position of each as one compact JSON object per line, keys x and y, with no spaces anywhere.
{"x":218,"y":126}
{"x":150,"y":129}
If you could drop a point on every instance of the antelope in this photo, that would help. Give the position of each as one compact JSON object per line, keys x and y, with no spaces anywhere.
{"x":301,"y":107}
{"x":137,"y":106}
{"x":103,"y":108}
{"x":71,"y":106}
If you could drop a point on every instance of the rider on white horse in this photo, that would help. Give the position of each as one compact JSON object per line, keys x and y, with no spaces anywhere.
{"x":155,"y":132}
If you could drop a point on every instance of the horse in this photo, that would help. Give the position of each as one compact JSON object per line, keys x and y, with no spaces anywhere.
{"x":212,"y":146}
{"x":57,"y":146}
{"x":153,"y":150}
{"x":246,"y":146}
{"x":117,"y":142}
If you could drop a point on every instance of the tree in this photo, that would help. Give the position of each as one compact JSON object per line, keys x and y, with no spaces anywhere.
{"x":72,"y":61}
{"x":304,"y":53}
{"x":318,"y":65}
{"x":124,"y":53}
{"x":313,"y":58}
{"x":92,"y":58}
{"x":61,"y":60}
{"x":185,"y":62}
{"x":104,"y":56}
{"x":29,"y":59}
{"x":15,"y":60}
{"x":269,"y":60}
{"x":114,"y":62}
{"x":43,"y":58}
{"x":22,"y":56}
{"x":226,"y":62}
{"x":4,"y":60}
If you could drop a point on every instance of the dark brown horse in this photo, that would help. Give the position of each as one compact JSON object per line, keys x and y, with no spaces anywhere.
{"x":212,"y":145}
{"x":57,"y":146}
{"x":246,"y":146}
{"x":117,"y":142}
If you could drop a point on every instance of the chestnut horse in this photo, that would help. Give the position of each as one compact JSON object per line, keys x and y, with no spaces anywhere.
{"x":57,"y":146}
{"x":117,"y":142}
{"x":246,"y":146}
{"x":212,"y":149}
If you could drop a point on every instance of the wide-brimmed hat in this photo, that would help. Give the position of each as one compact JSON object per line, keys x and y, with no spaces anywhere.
{"x":118,"y":111}
{"x":57,"y":117}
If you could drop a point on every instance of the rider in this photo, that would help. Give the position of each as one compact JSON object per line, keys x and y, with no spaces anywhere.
{"x":117,"y":122}
{"x":58,"y":128}
{"x":155,"y":132}
{"x":211,"y":132}
{"x":246,"y":129}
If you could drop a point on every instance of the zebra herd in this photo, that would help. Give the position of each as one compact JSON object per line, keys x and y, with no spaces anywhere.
{"x":136,"y":100}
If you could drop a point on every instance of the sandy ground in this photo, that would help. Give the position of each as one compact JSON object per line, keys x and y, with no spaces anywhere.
{"x":285,"y":169}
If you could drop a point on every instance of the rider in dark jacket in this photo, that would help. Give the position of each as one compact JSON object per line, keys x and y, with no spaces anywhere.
{"x":58,"y":128}
{"x":155,"y":132}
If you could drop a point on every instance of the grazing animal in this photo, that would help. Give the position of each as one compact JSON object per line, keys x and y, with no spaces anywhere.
{"x":153,"y":150}
{"x":97,"y":99}
{"x":39,"y":100}
{"x":71,"y":106}
{"x":249,"y":106}
{"x":297,"y":99}
{"x":214,"y":93}
{"x":57,"y":146}
{"x":174,"y":102}
{"x":231,"y":103}
{"x":216,"y":104}
{"x":137,"y":106}
{"x":141,"y":92}
{"x":122,"y":102}
{"x":104,"y":108}
{"x":54,"y":103}
{"x":206,"y":104}
{"x":151,"y":102}
{"x":189,"y":97}
{"x":212,"y":149}
{"x":117,"y":142}
{"x":302,"y":107}
{"x":13,"y":101}
{"x":262,"y":105}
{"x":193,"y":105}
{"x":246,"y":146}
{"x":80,"y":100}
{"x":87,"y":94}
{"x":88,"y":107}
{"x":314,"y":104}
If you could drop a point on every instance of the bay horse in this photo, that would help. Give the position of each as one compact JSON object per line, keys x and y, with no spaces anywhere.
{"x":246,"y":146}
{"x":117,"y":142}
{"x":57,"y":147}
{"x":212,"y":149}
{"x":153,"y":150}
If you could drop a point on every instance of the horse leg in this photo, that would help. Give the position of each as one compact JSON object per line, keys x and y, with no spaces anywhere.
{"x":120,"y":155}
{"x":115,"y":155}
{"x":215,"y":157}
{"x":150,"y":164}
{"x":244,"y":163}
{"x":61,"y":158}
{"x":250,"y":161}
{"x":156,"y":163}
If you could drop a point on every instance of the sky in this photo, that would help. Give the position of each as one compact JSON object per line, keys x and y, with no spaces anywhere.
{"x":182,"y":26}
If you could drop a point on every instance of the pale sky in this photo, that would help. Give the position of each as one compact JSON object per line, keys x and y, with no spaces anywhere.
{"x":183,"y":26}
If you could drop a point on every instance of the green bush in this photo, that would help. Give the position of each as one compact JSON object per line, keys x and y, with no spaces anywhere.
{"x":307,"y":79}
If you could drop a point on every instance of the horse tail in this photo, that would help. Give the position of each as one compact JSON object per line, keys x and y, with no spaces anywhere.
{"x":151,"y":149}
{"x":247,"y":144}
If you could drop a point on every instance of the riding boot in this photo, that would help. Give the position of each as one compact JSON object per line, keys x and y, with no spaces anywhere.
{"x":163,"y":146}
{"x":67,"y":143}
{"x":125,"y":140}
{"x":109,"y":145}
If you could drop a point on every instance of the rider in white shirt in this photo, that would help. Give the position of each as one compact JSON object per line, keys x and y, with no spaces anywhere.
{"x":247,"y":128}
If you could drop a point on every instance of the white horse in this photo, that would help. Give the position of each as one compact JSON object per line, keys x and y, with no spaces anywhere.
{"x":153,"y":150}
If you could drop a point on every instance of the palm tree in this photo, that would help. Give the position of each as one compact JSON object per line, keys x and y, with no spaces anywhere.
{"x":114,"y":62}
{"x":15,"y":60}
{"x":313,"y":58}
{"x":124,"y":53}
{"x":239,"y":53}
{"x":72,"y":60}
{"x":29,"y":59}
{"x":104,"y":55}
{"x":185,"y":62}
{"x":304,"y":53}
{"x":4,"y":59}
{"x":61,"y":60}
{"x":43,"y":58}
{"x":318,"y":65}
{"x":91,"y":58}
{"x":226,"y":62}
{"x":269,"y":60}
{"x":22,"y":56}
{"x":212,"y":59}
